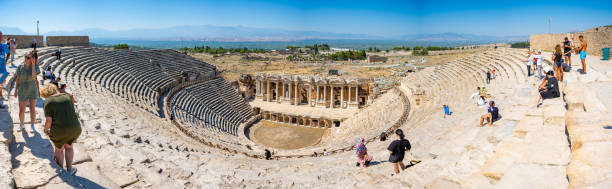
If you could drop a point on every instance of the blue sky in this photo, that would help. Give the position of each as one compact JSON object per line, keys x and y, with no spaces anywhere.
{"x":382,"y":18}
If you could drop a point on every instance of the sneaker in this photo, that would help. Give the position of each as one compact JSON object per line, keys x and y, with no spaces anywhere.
{"x":21,"y":128}
{"x":72,"y":170}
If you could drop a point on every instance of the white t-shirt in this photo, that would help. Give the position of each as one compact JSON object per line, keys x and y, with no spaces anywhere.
{"x":530,"y":60}
{"x":539,"y":57}
{"x":481,"y":101}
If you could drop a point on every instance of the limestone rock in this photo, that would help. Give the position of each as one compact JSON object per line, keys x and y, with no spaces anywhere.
{"x":80,"y":154}
{"x":585,"y":127}
{"x":442,"y":183}
{"x":575,"y":96}
{"x":505,"y":156}
{"x":534,"y":176}
{"x":528,"y":124}
{"x":123,"y":176}
{"x":34,"y":172}
{"x":554,"y":112}
{"x":6,"y":178}
{"x":590,"y":165}
{"x":547,"y":147}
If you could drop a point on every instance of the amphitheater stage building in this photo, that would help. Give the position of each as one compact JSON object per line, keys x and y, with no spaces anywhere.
{"x":310,"y":100}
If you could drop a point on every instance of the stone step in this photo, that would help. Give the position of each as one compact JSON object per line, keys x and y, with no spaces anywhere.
{"x":527,"y":175}
{"x":591,"y":139}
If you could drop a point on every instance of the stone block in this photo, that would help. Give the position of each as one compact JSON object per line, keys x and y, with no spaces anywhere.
{"x":575,"y":96}
{"x":590,"y":165}
{"x":476,"y":181}
{"x":548,"y":147}
{"x":554,"y":112}
{"x":6,"y":178}
{"x":121,"y":175}
{"x":528,"y":124}
{"x":505,"y":156}
{"x":442,"y":183}
{"x":80,"y":154}
{"x":586,"y":127}
{"x":533,"y":176}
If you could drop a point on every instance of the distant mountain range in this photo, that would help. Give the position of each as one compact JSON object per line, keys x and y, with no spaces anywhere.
{"x":441,"y":37}
{"x":12,"y":31}
{"x":243,"y":34}
{"x":212,"y":33}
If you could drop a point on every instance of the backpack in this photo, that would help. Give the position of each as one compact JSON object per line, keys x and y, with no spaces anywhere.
{"x":383,"y":136}
{"x":566,"y":68}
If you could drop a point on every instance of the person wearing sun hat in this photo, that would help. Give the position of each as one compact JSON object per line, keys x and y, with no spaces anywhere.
{"x":361,"y":151}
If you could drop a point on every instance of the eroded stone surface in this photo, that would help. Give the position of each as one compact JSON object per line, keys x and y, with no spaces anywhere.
{"x":590,"y":165}
{"x":534,"y":176}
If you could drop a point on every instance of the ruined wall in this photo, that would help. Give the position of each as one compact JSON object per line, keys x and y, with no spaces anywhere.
{"x":596,"y":38}
{"x":68,"y":41}
{"x":24,"y":41}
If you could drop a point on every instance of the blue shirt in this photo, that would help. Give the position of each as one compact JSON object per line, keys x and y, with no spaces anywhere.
{"x":494,"y":112}
{"x":4,"y":49}
{"x":446,"y":110}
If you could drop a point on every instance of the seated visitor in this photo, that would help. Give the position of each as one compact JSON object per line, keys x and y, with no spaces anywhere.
{"x":478,"y":91}
{"x":363,"y":158}
{"x":268,"y":155}
{"x":49,"y":74}
{"x":491,"y":116}
{"x":325,"y":153}
{"x":549,"y":88}
{"x":397,"y":150}
{"x":383,"y":136}
{"x":446,"y":110}
{"x":484,"y":91}
{"x":56,"y":81}
{"x":62,"y":90}
{"x":481,"y":101}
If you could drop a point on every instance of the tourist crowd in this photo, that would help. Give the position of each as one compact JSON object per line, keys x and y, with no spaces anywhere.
{"x":61,"y":120}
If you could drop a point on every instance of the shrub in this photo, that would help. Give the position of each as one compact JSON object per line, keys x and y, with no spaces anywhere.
{"x":121,"y":46}
{"x":520,"y":45}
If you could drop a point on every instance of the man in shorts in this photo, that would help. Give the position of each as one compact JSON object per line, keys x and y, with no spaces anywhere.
{"x":567,"y":48}
{"x":583,"y":53}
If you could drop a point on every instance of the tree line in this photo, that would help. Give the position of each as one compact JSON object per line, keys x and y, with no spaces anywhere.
{"x":520,"y":45}
{"x":346,"y":55}
{"x":221,"y":50}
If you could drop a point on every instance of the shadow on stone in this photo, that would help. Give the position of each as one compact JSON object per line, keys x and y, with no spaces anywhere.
{"x":43,"y":149}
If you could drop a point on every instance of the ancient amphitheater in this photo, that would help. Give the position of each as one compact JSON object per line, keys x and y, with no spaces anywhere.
{"x":162,"y":119}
